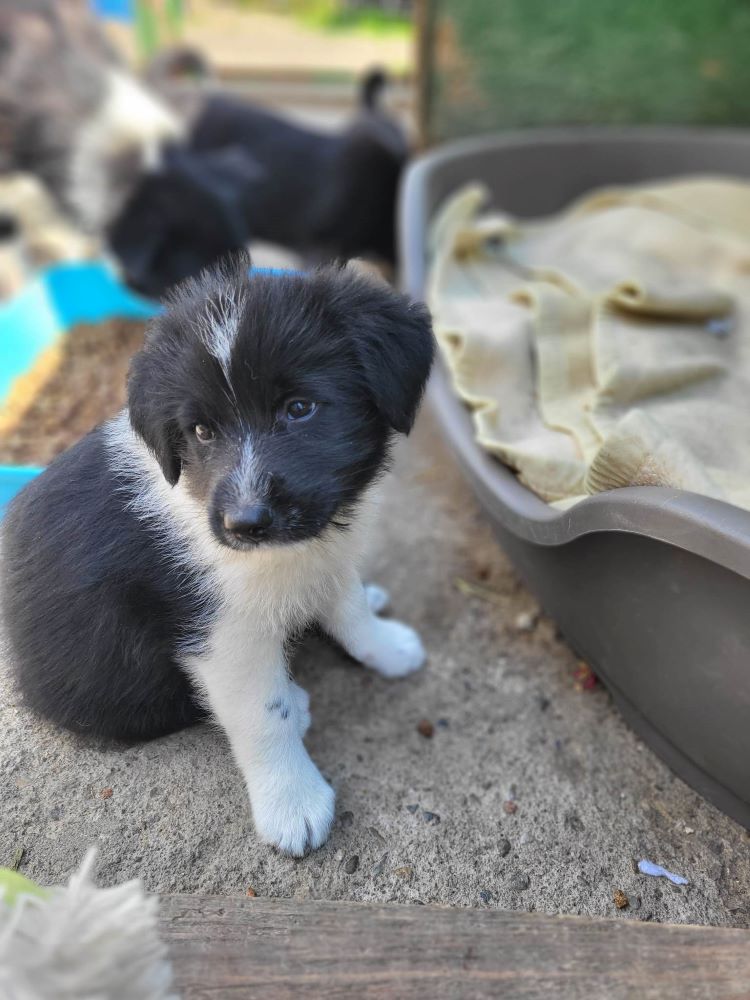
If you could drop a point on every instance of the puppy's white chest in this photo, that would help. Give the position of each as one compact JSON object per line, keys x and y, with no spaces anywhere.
{"x":279,"y":591}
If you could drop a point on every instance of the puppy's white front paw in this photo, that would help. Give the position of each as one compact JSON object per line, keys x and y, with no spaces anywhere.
{"x":378,"y":598}
{"x":302,"y":702}
{"x":293,"y":808}
{"x":392,"y":648}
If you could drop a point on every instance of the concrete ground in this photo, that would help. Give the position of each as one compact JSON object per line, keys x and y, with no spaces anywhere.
{"x":531,"y":793}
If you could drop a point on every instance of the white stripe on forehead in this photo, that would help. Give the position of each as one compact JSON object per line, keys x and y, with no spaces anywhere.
{"x":218,"y":324}
{"x":245,"y":472}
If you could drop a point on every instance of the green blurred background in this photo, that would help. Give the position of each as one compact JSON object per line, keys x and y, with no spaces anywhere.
{"x":490,"y":64}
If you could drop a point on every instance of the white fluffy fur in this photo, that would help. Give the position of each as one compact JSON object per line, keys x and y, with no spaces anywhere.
{"x":218,"y":326}
{"x":83,"y":942}
{"x":264,"y":596}
{"x":128,"y":118}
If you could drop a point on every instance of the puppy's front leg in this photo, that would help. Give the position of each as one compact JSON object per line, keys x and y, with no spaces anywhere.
{"x":390,"y":647}
{"x":264,"y":716}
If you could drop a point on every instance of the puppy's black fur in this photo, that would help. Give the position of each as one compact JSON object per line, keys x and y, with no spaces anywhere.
{"x":94,"y":606}
{"x":102,"y":591}
{"x":184,"y":217}
{"x":326,"y":196}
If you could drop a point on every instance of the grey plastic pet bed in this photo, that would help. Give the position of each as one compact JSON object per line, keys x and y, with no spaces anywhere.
{"x":650,"y":586}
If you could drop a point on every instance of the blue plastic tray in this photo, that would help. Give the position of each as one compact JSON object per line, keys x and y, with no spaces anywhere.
{"x":53,"y":302}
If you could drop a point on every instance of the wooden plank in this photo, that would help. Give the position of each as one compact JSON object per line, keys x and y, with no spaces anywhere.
{"x":424,"y":24}
{"x":281,"y":948}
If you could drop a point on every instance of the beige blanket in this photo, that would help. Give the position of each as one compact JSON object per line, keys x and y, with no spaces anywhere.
{"x":608,"y":346}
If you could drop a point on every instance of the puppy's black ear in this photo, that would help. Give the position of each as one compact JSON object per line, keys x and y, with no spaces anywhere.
{"x":395,"y":347}
{"x":150,"y":414}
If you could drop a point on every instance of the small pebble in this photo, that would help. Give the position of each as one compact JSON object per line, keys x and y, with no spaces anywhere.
{"x":526,"y":621}
{"x":430,"y":817}
{"x":106,"y":793}
{"x":443,"y":723}
{"x":251,"y":892}
{"x":689,"y":830}
{"x":574,"y":822}
{"x":621,"y":900}
{"x":719,"y":326}
{"x":510,"y":806}
{"x":485,"y":896}
{"x":584,"y":678}
{"x":504,"y":848}
{"x":346,"y":818}
{"x":543,"y":703}
{"x":425,"y":728}
{"x":405,"y":872}
{"x":377,"y":868}
{"x":520,"y":882}
{"x":413,"y":807}
{"x":352,"y":864}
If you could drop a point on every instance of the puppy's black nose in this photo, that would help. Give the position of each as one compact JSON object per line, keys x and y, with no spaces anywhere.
{"x":249,"y":523}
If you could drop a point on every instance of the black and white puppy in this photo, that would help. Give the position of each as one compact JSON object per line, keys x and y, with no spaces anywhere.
{"x":246,"y":173}
{"x":153,"y":573}
{"x":72,"y":114}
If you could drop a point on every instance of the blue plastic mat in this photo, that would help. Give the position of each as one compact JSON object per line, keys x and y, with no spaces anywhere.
{"x":54,"y":301}
{"x":12,"y":479}
{"x":116,"y":10}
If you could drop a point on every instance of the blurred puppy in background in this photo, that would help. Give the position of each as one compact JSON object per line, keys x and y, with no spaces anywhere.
{"x":155,"y":571}
{"x":34,"y":233}
{"x":72,"y":114}
{"x":258,"y":176}
{"x":172,"y":187}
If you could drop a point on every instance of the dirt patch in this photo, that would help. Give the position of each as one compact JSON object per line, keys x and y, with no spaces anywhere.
{"x":74,"y":385}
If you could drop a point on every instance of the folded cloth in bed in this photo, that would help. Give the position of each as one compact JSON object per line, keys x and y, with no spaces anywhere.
{"x":609,"y":345}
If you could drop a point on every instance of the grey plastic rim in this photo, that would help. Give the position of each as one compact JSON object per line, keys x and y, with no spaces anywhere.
{"x":651,"y":586}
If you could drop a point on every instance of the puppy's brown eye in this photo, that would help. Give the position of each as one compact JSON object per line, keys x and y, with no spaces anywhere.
{"x":203,"y":433}
{"x":300,"y":409}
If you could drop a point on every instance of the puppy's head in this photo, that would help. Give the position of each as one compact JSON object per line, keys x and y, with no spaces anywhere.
{"x":182,"y":217}
{"x":274,"y":397}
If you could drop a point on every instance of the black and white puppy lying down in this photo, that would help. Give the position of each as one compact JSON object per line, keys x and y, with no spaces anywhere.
{"x":246,"y":173}
{"x":154,"y":572}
